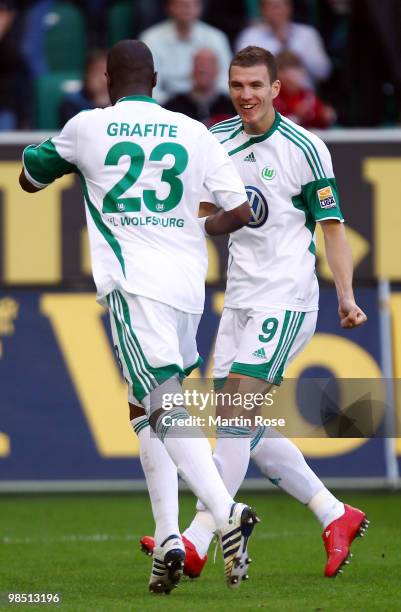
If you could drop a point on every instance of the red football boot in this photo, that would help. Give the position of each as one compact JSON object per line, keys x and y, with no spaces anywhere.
{"x":193,"y":562}
{"x":338,"y":537}
{"x":147,"y":545}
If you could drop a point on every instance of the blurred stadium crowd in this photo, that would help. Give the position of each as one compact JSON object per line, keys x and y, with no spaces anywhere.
{"x":339,"y":60}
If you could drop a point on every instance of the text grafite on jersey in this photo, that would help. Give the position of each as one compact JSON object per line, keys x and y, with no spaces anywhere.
{"x":163,"y":130}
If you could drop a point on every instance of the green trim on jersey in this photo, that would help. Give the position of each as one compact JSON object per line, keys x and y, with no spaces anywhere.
{"x":137,"y":99}
{"x":227,"y":123}
{"x":308,"y":202}
{"x":255,"y":139}
{"x":101,"y":226}
{"x":44,"y":164}
{"x":224,"y":130}
{"x":310,"y":142}
{"x":272,"y":371}
{"x":310,"y":195}
{"x":144,"y":377}
{"x":306,"y":145}
{"x":301,"y":145}
{"x":234,"y":134}
{"x":299,"y":202}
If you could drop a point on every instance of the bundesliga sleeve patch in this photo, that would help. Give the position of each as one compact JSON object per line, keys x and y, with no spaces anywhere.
{"x":326,"y":197}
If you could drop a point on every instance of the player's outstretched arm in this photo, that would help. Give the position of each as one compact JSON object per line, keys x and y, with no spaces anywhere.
{"x":27,"y":185}
{"x":227,"y":221}
{"x":339,"y":257}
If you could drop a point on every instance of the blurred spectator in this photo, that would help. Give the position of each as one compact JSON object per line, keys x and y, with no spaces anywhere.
{"x":11,"y":65}
{"x":374,"y":62}
{"x":34,"y":34}
{"x":204,"y":102}
{"x":333,"y":18}
{"x":227,"y":15}
{"x":297,"y":102}
{"x":94,"y":92}
{"x":303,"y":11}
{"x":278,"y":33}
{"x":149,"y":13}
{"x":333,"y":25}
{"x":174,"y":43}
{"x":95,"y":12}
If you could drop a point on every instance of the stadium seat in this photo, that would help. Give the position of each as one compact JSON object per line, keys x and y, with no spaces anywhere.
{"x":49,"y":90}
{"x":252,"y":9}
{"x":120,"y":22}
{"x":65,"y":40}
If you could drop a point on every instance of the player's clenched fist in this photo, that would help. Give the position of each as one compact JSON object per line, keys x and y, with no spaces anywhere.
{"x":350,"y":314}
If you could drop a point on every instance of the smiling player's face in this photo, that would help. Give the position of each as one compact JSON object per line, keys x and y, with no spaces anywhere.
{"x":252,"y":94}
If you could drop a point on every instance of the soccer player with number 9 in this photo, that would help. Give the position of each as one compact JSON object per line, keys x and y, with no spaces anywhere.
{"x":271,"y":300}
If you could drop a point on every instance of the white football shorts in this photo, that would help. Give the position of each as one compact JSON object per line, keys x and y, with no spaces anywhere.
{"x":260,"y":343}
{"x":152,"y":341}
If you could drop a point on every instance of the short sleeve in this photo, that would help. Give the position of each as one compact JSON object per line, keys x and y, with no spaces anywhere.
{"x":52,"y":158}
{"x":319,"y":186}
{"x":222,"y":180}
{"x":207,"y":196}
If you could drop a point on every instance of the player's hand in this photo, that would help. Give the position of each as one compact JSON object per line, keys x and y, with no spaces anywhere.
{"x":350,"y":314}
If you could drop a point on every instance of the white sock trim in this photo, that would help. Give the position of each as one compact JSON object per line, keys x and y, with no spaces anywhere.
{"x":326,"y":507}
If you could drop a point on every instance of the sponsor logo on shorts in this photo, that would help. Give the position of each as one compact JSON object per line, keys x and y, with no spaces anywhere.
{"x":268,"y":173}
{"x":326,"y":197}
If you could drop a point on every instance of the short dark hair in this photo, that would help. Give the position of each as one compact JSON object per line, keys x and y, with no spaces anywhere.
{"x":130,"y":61}
{"x":253,"y":56}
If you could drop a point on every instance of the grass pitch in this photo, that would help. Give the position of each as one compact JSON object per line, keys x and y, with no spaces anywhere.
{"x":85,"y":548}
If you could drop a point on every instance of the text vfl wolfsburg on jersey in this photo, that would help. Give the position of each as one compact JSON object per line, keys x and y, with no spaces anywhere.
{"x":145,"y":221}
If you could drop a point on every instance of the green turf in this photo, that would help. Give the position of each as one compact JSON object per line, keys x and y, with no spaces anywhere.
{"x":85,"y":547}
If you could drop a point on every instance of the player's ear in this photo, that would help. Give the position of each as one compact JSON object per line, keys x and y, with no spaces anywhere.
{"x":154,"y":81}
{"x":276,"y":86}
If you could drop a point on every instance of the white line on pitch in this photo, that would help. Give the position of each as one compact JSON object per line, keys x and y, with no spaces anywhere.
{"x":105,"y":537}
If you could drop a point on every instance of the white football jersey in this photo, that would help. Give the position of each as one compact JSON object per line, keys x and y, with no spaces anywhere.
{"x":288,"y":177}
{"x":143,"y":170}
